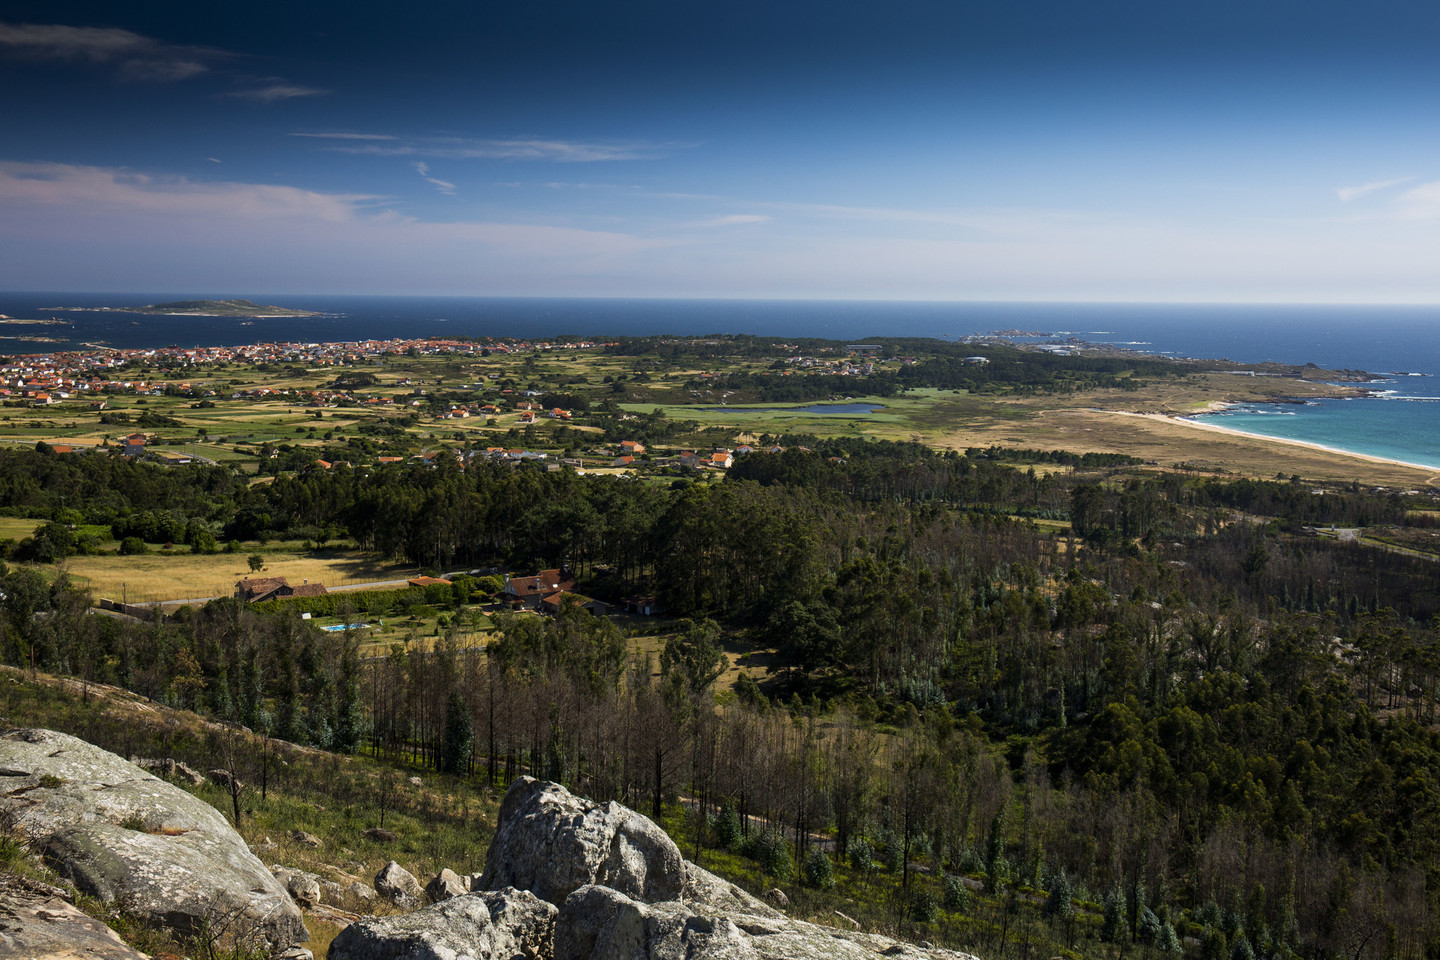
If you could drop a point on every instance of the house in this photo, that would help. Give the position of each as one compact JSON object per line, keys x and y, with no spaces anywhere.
{"x":530,"y":590}
{"x":427,"y":581}
{"x":258,"y":589}
{"x":527,"y":416}
{"x":641,"y":606}
{"x":623,"y":462}
{"x":560,"y":599}
{"x":631,"y":447}
{"x":721,"y":459}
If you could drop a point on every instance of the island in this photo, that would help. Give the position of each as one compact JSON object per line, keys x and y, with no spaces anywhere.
{"x":204,"y":308}
{"x":223,"y":308}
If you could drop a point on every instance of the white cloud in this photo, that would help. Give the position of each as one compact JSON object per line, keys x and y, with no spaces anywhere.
{"x":1346,"y":194}
{"x":1420,"y":203}
{"x":136,"y":56}
{"x":346,"y":136}
{"x":517,"y":148}
{"x":733,"y":219}
{"x":445,"y":186}
{"x":275,"y":91}
{"x":58,"y":185}
{"x":78,"y":227}
{"x":214,"y":159}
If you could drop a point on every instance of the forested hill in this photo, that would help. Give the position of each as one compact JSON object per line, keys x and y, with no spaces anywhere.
{"x":1163,"y":693}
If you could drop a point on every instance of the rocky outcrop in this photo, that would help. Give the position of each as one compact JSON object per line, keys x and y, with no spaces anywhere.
{"x":130,"y":839}
{"x":170,"y":769}
{"x":551,"y":842}
{"x":37,"y":922}
{"x":597,"y":923}
{"x":623,"y":892}
{"x":304,"y":888}
{"x":445,"y":885}
{"x":398,"y":885}
{"x":500,"y":924}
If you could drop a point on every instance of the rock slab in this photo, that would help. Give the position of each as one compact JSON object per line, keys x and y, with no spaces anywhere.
{"x":597,"y":923}
{"x":499,"y":924}
{"x":130,"y":839}
{"x":36,"y":923}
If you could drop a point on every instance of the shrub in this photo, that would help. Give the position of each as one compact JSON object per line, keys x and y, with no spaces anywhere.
{"x":862,"y":855}
{"x":772,"y":853}
{"x":727,"y":828}
{"x":923,"y":907}
{"x":819,"y":872}
{"x":955,"y":895}
{"x":132,"y":546}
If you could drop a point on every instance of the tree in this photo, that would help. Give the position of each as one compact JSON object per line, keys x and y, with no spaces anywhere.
{"x":255,"y":561}
{"x":694,"y":658}
{"x":458,"y":737}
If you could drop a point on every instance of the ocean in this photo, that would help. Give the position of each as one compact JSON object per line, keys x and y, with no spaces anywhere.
{"x":1402,"y":422}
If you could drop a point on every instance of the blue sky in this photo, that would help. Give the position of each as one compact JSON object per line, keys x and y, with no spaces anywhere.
{"x":1026,"y":150}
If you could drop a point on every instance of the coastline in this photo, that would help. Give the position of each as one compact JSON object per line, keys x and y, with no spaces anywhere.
{"x":1305,"y":444}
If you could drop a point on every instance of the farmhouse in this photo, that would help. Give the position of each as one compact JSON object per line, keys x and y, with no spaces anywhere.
{"x":257,"y":589}
{"x":531,"y":590}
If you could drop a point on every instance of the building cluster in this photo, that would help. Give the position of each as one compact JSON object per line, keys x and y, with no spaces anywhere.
{"x":64,"y":375}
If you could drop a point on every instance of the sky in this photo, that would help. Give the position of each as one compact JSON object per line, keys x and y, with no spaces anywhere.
{"x":1256,"y":151}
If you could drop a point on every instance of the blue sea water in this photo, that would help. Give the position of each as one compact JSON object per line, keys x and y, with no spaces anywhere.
{"x":1402,"y":423}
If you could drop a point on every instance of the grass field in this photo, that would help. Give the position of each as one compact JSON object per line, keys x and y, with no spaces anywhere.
{"x":179,"y":575}
{"x":17,"y":528}
{"x":1092,"y":421}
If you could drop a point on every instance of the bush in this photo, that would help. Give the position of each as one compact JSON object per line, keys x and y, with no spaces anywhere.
{"x":955,"y":895}
{"x":1060,"y":901}
{"x":923,"y":908}
{"x":772,"y":853}
{"x":862,"y":855}
{"x":132,"y":546}
{"x":727,"y":828}
{"x":819,"y":872}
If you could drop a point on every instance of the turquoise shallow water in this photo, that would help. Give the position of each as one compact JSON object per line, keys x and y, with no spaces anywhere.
{"x":1402,"y":423}
{"x":1395,"y":427}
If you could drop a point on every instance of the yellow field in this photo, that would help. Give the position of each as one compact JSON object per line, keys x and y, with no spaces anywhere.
{"x":17,"y":528}
{"x":181,"y":576}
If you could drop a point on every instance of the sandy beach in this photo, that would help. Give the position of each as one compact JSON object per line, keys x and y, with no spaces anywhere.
{"x":1214,"y":428}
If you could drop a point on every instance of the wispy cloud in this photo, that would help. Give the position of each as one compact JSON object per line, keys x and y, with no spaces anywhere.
{"x":445,"y":186}
{"x":99,"y":204}
{"x":55,"y":185}
{"x":1346,"y":194}
{"x":136,"y":56}
{"x":516,"y":148}
{"x":734,"y":219}
{"x":1420,"y":203}
{"x":214,"y":159}
{"x":346,"y":136}
{"x":274,"y":90}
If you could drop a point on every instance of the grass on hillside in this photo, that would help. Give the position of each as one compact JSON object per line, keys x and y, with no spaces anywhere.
{"x":442,"y":822}
{"x":179,"y":575}
{"x":448,"y":822}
